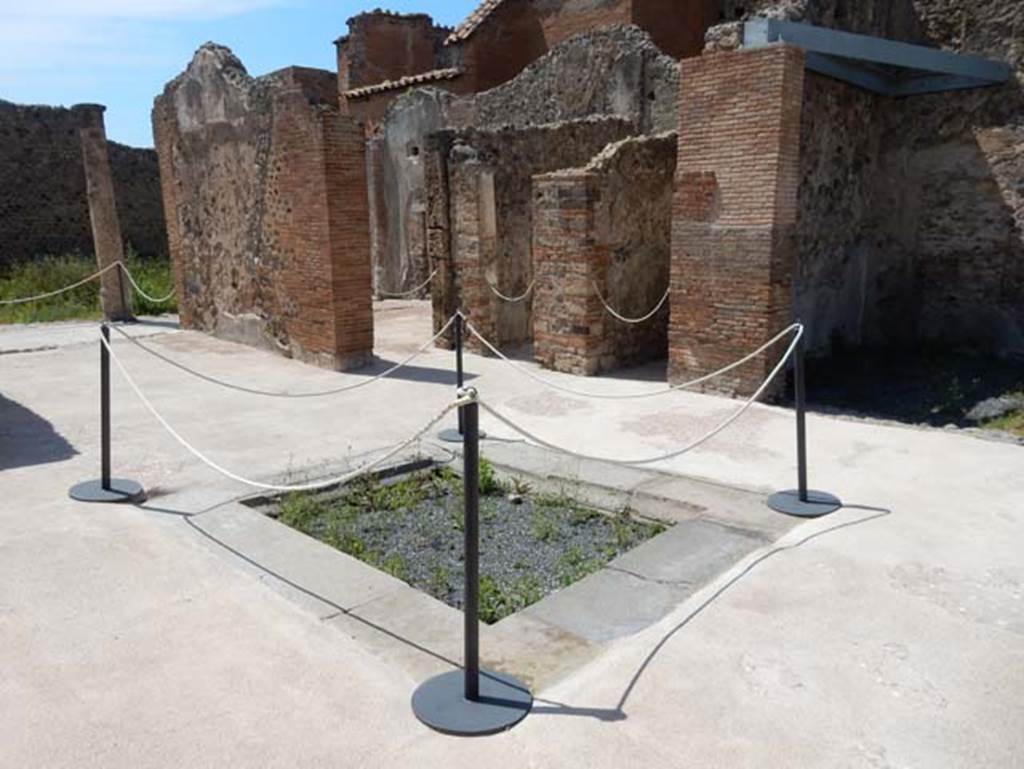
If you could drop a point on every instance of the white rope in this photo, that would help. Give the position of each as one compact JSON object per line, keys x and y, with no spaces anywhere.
{"x":92,"y":277}
{"x":410,"y":292}
{"x":672,"y":455}
{"x":273,"y":486}
{"x":271,"y":394}
{"x":623,"y":318}
{"x":48,"y":294}
{"x":628,"y":396}
{"x":138,"y":288}
{"x":511,"y":299}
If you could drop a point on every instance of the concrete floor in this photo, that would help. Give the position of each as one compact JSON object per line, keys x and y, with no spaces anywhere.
{"x":863,"y":639}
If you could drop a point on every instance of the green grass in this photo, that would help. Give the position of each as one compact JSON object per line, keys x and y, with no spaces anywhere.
{"x":1011,"y":423}
{"x":83,"y":303}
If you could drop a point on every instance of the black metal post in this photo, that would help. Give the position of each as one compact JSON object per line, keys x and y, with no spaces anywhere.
{"x":105,"y":408}
{"x":800,"y":396}
{"x":459,"y":379}
{"x":802,"y":502}
{"x":471,"y":701}
{"x":106,"y":488}
{"x":471,"y":529}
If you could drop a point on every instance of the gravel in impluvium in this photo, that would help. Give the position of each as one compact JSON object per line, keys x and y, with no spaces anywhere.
{"x":530,"y":543}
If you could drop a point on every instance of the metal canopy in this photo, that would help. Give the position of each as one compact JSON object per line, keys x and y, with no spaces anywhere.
{"x":879,"y":65}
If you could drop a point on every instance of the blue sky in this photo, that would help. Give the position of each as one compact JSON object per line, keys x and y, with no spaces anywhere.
{"x":121,"y":52}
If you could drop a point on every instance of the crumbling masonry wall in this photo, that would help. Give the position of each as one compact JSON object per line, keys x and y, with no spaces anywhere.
{"x":265,"y":188}
{"x":615,"y":72}
{"x":605,"y":227}
{"x":43,"y":208}
{"x":910,"y":210}
{"x":480,"y":212}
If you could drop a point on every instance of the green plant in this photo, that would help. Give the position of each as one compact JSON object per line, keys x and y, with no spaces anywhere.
{"x":394,"y":565}
{"x":624,"y":529}
{"x":439,"y":582}
{"x":489,"y":484}
{"x":497,"y":603}
{"x":50,"y":273}
{"x":574,"y":565}
{"x":544,"y":525}
{"x":300,"y":510}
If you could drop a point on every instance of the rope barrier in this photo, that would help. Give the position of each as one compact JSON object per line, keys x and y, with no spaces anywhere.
{"x":671,"y":455}
{"x":271,"y":394}
{"x":48,"y":294}
{"x":624,"y":319}
{"x":139,"y":290}
{"x":83,"y":281}
{"x":410,"y":292}
{"x":345,"y":478}
{"x":511,"y":299}
{"x":630,"y":396}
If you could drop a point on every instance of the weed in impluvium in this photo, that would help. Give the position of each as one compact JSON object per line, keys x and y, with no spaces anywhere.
{"x":489,"y":483}
{"x":300,"y":510}
{"x":574,"y":566}
{"x":544,"y":525}
{"x":497,"y":602}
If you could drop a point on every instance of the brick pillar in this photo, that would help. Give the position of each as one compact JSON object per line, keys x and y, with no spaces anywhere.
{"x":734,"y":212}
{"x":569,"y":255}
{"x":106,"y":228}
{"x":325,"y":231}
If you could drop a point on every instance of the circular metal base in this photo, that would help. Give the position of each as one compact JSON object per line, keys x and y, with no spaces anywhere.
{"x":818,"y":503}
{"x":440,"y":704}
{"x":121,"y":490}
{"x":452,"y":435}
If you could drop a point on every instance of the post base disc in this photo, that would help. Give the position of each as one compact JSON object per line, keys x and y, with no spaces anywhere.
{"x":440,"y":703}
{"x":818,"y":503}
{"x":121,"y":491}
{"x":452,"y":435}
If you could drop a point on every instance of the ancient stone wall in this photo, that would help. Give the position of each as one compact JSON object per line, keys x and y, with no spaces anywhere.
{"x":43,"y":208}
{"x":479,"y":202}
{"x":265,"y":186}
{"x":604,"y":228}
{"x":613,"y":72}
{"x":911,"y":216}
{"x":951,"y":196}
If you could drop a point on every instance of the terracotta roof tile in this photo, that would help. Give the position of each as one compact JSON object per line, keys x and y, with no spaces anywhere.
{"x":404,"y":82}
{"x":474,"y":20}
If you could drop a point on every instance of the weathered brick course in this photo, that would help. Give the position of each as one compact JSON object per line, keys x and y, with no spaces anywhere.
{"x":735,"y":210}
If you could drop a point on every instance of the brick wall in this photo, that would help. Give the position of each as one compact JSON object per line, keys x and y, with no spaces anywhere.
{"x":677,"y":26}
{"x":385,"y":46}
{"x":43,"y":207}
{"x":266,"y":180}
{"x":734,"y":211}
{"x":607,"y":225}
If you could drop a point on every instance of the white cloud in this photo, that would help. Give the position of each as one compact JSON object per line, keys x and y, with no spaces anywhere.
{"x":139,"y":9}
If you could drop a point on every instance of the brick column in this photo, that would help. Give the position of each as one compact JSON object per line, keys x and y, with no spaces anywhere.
{"x":734,"y":212}
{"x":106,"y":228}
{"x":568,"y":257}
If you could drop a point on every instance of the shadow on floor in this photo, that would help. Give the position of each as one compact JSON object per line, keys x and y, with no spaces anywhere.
{"x":932,"y":387}
{"x":27,"y":439}
{"x":412,"y":373}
